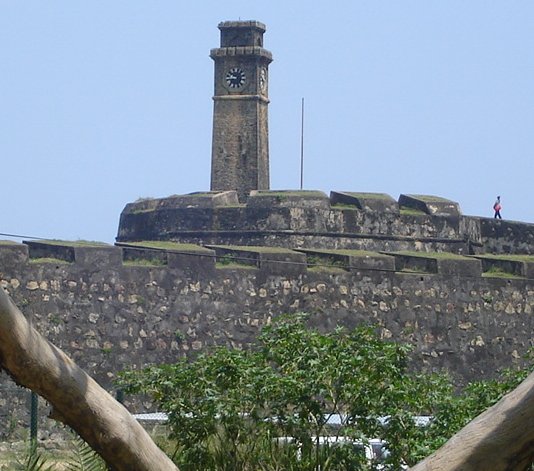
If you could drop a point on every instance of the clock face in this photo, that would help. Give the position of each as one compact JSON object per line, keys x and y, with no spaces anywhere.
{"x":235,"y":78}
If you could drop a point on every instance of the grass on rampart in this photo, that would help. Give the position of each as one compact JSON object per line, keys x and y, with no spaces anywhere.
{"x":511,"y":257}
{"x":255,"y":248}
{"x":56,"y":261}
{"x":370,"y":196}
{"x":498,"y":272}
{"x":349,"y":252}
{"x":431,"y":199}
{"x":405,"y":211}
{"x":168,"y":245}
{"x":434,"y":255}
{"x":73,"y":243}
{"x":290,"y":193}
{"x":144,"y":262}
{"x":8,"y":242}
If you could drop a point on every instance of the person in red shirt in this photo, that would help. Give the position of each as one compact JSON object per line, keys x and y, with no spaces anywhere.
{"x":497,"y":208}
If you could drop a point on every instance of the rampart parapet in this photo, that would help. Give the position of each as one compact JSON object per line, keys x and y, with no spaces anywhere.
{"x":311,"y":219}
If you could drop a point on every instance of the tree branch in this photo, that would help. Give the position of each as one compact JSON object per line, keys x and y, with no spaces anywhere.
{"x":499,"y":439}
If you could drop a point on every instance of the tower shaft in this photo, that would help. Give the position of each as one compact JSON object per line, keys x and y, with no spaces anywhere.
{"x":240,"y":145}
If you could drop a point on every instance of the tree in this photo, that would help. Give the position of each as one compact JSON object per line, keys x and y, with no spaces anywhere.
{"x":77,"y":400}
{"x":499,"y":439}
{"x":265,"y":408}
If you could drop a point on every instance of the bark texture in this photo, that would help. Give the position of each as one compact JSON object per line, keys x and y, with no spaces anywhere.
{"x":77,"y":400}
{"x":499,"y":439}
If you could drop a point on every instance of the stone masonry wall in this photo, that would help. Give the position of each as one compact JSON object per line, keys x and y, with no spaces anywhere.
{"x":109,"y":317}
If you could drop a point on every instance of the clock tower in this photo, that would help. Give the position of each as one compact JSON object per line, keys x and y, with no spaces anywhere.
{"x":240,"y":145}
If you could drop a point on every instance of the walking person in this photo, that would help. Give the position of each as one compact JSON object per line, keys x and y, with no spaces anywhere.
{"x":497,"y":208}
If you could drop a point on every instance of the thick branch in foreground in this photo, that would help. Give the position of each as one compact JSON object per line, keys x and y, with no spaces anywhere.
{"x":499,"y":439}
{"x":77,"y":399}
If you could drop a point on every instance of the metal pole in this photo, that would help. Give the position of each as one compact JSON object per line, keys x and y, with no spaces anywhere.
{"x":34,"y":405}
{"x":302,"y":146}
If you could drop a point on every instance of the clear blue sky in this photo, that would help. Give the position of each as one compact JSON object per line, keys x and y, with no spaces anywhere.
{"x":103,"y":102}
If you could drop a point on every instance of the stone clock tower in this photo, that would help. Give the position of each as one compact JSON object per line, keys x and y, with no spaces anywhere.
{"x":240,"y":146}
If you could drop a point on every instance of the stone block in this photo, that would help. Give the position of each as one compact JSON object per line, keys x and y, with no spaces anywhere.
{"x":208,"y":199}
{"x":506,"y":265}
{"x":235,"y":255}
{"x":133,"y":253}
{"x":411,"y":262}
{"x":433,"y":205}
{"x":269,"y":260}
{"x":101,"y":257}
{"x":197,"y":264}
{"x":288,"y":199}
{"x":51,"y":249}
{"x":528,"y":270}
{"x":437,"y":262}
{"x":352,"y":260}
{"x":378,"y":202}
{"x":278,"y":262}
{"x":327,"y":258}
{"x":465,"y":266}
{"x":12,"y":253}
{"x":371,"y":261}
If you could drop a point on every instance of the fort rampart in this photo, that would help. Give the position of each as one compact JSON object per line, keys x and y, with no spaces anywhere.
{"x":460,"y":289}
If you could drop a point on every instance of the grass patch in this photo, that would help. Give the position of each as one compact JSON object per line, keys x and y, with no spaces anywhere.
{"x":498,"y":272}
{"x":9,"y":242}
{"x":73,"y":243}
{"x":56,"y":261}
{"x":327,"y":269}
{"x":203,"y":193}
{"x":511,"y":257}
{"x":291,"y":193}
{"x":234,"y":261}
{"x":352,"y":252}
{"x":231,"y":206}
{"x":232,"y":264}
{"x":434,"y":255}
{"x":254,"y":248}
{"x":144,"y":262}
{"x":317,"y":261}
{"x":144,"y":210}
{"x":168,"y":245}
{"x":431,"y":199}
{"x":415,"y":269}
{"x":405,"y":211}
{"x":369,"y":196}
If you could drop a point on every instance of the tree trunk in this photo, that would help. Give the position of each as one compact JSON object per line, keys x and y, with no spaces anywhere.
{"x":499,"y":439}
{"x":77,"y":400}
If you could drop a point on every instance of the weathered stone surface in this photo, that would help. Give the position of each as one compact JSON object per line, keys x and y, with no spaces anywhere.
{"x":379,"y":202}
{"x":303,"y":199}
{"x":12,"y":253}
{"x":430,"y":204}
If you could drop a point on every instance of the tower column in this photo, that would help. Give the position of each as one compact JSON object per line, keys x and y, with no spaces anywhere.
{"x":240,"y":144}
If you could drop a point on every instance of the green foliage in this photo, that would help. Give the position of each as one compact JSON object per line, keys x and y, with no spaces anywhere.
{"x":404,"y":210}
{"x":32,"y":461}
{"x":323,"y":261}
{"x":84,"y":459}
{"x":56,"y":261}
{"x":264,"y":408}
{"x":498,"y":272}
